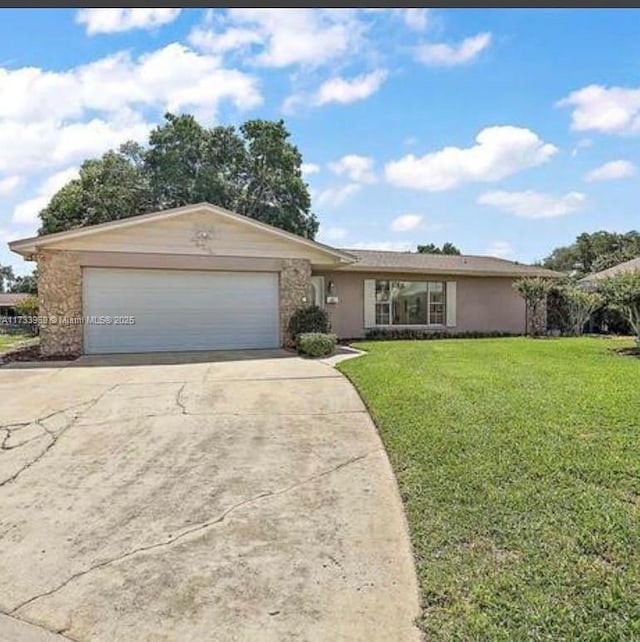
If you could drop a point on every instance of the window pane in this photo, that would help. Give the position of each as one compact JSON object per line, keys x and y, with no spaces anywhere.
{"x":436,"y":314}
{"x":382,"y":291}
{"x":382,"y":314}
{"x":409,"y":300}
{"x":436,"y":303}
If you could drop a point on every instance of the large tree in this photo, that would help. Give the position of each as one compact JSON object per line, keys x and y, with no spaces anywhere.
{"x":6,"y":277}
{"x":253,"y":170}
{"x":594,"y":252}
{"x":25,"y":284}
{"x":432,"y":248}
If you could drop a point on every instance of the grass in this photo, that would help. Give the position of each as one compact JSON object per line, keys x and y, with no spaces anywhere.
{"x":518,"y":461}
{"x":10,"y":341}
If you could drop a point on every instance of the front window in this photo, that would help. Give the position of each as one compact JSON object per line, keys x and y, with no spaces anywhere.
{"x":410,"y":303}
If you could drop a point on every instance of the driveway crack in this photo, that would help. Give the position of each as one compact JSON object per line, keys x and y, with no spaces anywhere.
{"x":61,"y":634}
{"x":55,"y":436}
{"x":179,"y":401}
{"x":172,"y":539}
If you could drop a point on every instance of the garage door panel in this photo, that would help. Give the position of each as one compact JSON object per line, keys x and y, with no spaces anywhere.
{"x":180,"y":310}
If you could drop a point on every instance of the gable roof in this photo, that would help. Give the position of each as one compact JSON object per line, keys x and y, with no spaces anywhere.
{"x":384,"y":261}
{"x":28,"y":247}
{"x":628,"y":266}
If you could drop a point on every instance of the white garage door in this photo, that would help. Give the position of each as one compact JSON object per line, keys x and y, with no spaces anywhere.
{"x":179,"y":310}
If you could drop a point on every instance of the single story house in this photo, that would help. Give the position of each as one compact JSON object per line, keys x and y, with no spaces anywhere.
{"x":591,"y":280}
{"x":8,"y":303}
{"x":203,"y":278}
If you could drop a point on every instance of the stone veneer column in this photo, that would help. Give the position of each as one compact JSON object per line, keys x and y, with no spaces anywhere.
{"x":60,"y":296}
{"x":295,"y":279}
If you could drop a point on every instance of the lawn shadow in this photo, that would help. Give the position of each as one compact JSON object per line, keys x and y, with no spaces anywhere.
{"x":627,"y":352}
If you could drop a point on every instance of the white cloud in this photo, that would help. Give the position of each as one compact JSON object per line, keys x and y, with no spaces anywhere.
{"x":9,"y":184}
{"x":44,"y":114}
{"x":583,"y":143}
{"x":117,"y":20}
{"x":611,"y":110}
{"x":334,"y":196}
{"x":26,"y":213}
{"x":331,"y":233}
{"x":50,"y":144}
{"x":444,"y":55}
{"x":501,"y":249}
{"x":174,"y":78}
{"x":498,"y":152}
{"x":309,"y":168}
{"x":356,"y":168}
{"x":532,"y":204}
{"x":611,"y":171}
{"x":343,"y":91}
{"x":416,"y":19}
{"x":406,"y":222}
{"x":222,"y":42}
{"x":284,"y":37}
{"x":389,"y":246}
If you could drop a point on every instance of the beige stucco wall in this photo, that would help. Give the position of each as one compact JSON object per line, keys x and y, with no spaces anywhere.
{"x":484,"y":304}
{"x":183,"y":236}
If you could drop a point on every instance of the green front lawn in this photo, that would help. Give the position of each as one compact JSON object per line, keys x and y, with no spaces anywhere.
{"x":518,"y":462}
{"x":10,"y":341}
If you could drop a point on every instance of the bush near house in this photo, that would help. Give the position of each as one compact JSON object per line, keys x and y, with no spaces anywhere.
{"x":28,"y":309}
{"x":534,"y":291}
{"x":420,"y":334}
{"x":622,"y":292}
{"x":309,"y":319}
{"x":316,"y":344}
{"x":570,"y":307}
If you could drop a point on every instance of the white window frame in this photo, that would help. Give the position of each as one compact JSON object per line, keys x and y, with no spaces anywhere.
{"x":389,"y":305}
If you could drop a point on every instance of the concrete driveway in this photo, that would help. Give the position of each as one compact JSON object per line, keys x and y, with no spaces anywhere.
{"x":238,"y":496}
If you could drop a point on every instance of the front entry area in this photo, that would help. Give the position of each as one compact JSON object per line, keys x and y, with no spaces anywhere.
{"x":140,"y":310}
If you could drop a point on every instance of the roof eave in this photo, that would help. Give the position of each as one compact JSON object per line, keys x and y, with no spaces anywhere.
{"x":28,"y":247}
{"x":454,"y":271}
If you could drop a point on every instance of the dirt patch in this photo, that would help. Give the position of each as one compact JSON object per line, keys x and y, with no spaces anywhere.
{"x":27,"y":352}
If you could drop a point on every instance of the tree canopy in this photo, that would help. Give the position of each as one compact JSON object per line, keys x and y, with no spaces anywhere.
{"x":432,"y":248}
{"x":253,"y":170}
{"x":9,"y":282}
{"x":594,"y":252}
{"x":622,"y":292}
{"x":6,"y":277}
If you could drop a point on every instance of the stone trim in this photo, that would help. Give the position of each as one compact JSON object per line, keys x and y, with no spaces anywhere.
{"x":295,"y":281}
{"x":60,"y":298}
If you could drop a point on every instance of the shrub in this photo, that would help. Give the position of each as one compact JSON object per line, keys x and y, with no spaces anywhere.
{"x":316,"y":344}
{"x":558,"y":311}
{"x":310,"y":319}
{"x":581,"y":305}
{"x":28,"y":307}
{"x":622,"y":292}
{"x":419,"y":334}
{"x":534,"y":291}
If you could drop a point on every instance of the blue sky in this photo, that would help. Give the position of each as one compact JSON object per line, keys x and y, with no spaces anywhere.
{"x":507,"y":132}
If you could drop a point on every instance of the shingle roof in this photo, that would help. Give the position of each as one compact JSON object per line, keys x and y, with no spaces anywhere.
{"x":379,"y":261}
{"x":628,"y":266}
{"x":9,"y":299}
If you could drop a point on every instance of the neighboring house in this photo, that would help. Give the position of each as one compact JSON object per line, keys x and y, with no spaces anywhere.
{"x":200,"y":277}
{"x":8,"y":302}
{"x":591,"y":280}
